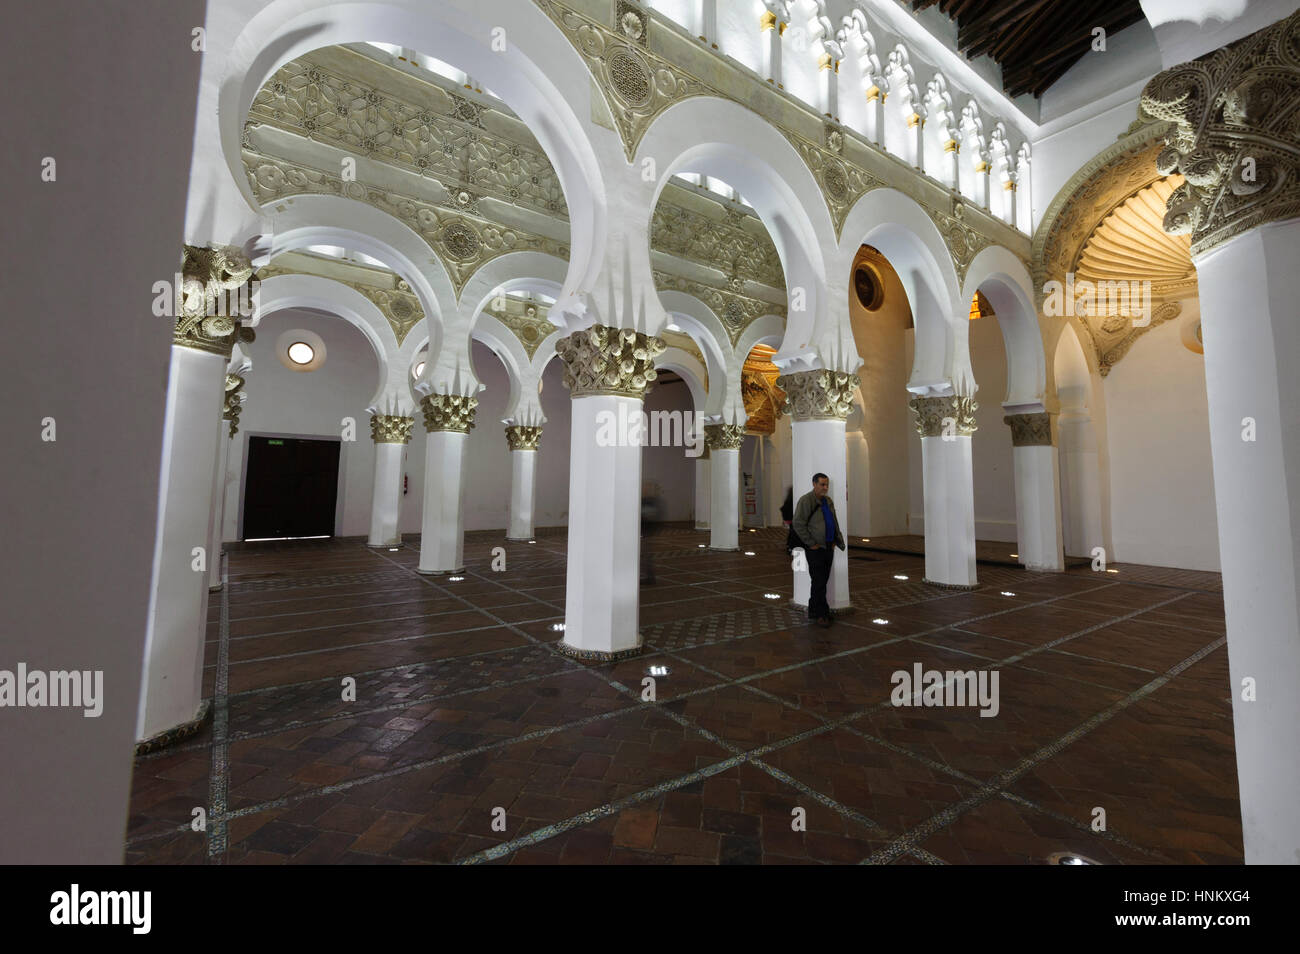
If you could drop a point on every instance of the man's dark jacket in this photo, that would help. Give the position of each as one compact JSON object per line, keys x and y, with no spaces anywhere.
{"x":808,"y":523}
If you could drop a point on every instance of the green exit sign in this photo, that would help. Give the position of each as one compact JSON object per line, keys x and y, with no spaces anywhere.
{"x":275,"y":443}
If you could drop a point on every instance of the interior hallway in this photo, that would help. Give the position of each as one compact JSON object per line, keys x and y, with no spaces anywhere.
{"x":1113,"y":694}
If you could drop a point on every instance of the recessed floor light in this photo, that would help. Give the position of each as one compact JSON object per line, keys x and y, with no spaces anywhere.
{"x":866,"y":539}
{"x":658,"y":670}
{"x":753,"y":531}
{"x":700,"y":545}
{"x":1016,"y":555}
{"x":1007,"y":593}
{"x":749,"y":553}
{"x":1069,"y":858}
{"x":455,"y":579}
{"x":557,"y":627}
{"x":1112,"y":571}
{"x":882,"y":621}
{"x":772,"y":596}
{"x":900,"y":576}
{"x":393,"y":549}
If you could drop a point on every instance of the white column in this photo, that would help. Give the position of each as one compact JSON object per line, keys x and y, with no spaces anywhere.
{"x":606,"y":371}
{"x":952,"y":163}
{"x":1009,"y":202}
{"x":724,"y":442}
{"x":601,"y":592}
{"x":523,"y":442}
{"x":703,"y":493}
{"x":214,"y":296}
{"x":178,"y":605}
{"x":772,"y":29}
{"x":448,"y":419}
{"x":1038,"y":491}
{"x":916,"y":139}
{"x":390,"y":433}
{"x":216,"y":511}
{"x":819,"y":402}
{"x":706,"y":20}
{"x":1249,"y":287}
{"x":828,"y":78}
{"x":982,"y":179}
{"x":875,"y":130}
{"x":945,"y":425}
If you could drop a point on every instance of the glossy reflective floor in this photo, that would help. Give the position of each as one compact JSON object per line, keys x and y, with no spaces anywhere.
{"x":471,"y":739}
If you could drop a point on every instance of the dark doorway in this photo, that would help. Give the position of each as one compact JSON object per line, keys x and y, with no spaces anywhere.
{"x":291,"y":487}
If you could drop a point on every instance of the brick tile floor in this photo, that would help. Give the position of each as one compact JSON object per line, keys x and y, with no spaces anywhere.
{"x":470,"y":739}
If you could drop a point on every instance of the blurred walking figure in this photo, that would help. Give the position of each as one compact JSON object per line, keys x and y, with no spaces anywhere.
{"x":818,"y":529}
{"x":651,"y":514}
{"x":787,"y":508}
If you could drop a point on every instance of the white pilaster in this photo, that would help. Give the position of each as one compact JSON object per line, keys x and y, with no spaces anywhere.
{"x":1080,"y":469}
{"x":772,"y":31}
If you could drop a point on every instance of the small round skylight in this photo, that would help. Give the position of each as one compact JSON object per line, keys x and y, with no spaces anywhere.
{"x":301,"y":353}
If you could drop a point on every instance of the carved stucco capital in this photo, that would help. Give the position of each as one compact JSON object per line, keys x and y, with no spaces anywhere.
{"x":523,"y":437}
{"x":818,"y":395}
{"x":1030,"y":430}
{"x":724,"y":436}
{"x":391,"y":428}
{"x":605,"y":360}
{"x":951,"y":416}
{"x":1234,"y":135}
{"x":449,"y":412}
{"x":215,"y":293}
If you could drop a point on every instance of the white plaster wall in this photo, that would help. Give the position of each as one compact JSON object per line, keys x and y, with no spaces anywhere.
{"x":1070,"y":142}
{"x":669,"y":467}
{"x":991,"y":449}
{"x":310,"y":404}
{"x":1161,"y":481}
{"x":738,"y":33}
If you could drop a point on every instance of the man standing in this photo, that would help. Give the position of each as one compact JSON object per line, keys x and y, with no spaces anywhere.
{"x":816,"y":525}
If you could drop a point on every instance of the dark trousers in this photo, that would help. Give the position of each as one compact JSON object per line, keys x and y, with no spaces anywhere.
{"x":819,"y":568}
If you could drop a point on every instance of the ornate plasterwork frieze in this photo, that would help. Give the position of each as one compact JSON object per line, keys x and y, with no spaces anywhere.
{"x":523,"y":437}
{"x":842,"y":182}
{"x":605,"y":360}
{"x":734,"y":243}
{"x":529,"y":325}
{"x":737,"y":311}
{"x":233,"y":402}
{"x":1235,"y":115}
{"x":951,"y":416}
{"x":216,"y":283}
{"x":398,"y":304}
{"x":1030,"y":430}
{"x":638,"y":84}
{"x":963,"y":241}
{"x":449,"y":412}
{"x":724,"y":436}
{"x":342,"y":99}
{"x":463,"y":243}
{"x":391,"y":428}
{"x":818,"y":395}
{"x":1111,"y":338}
